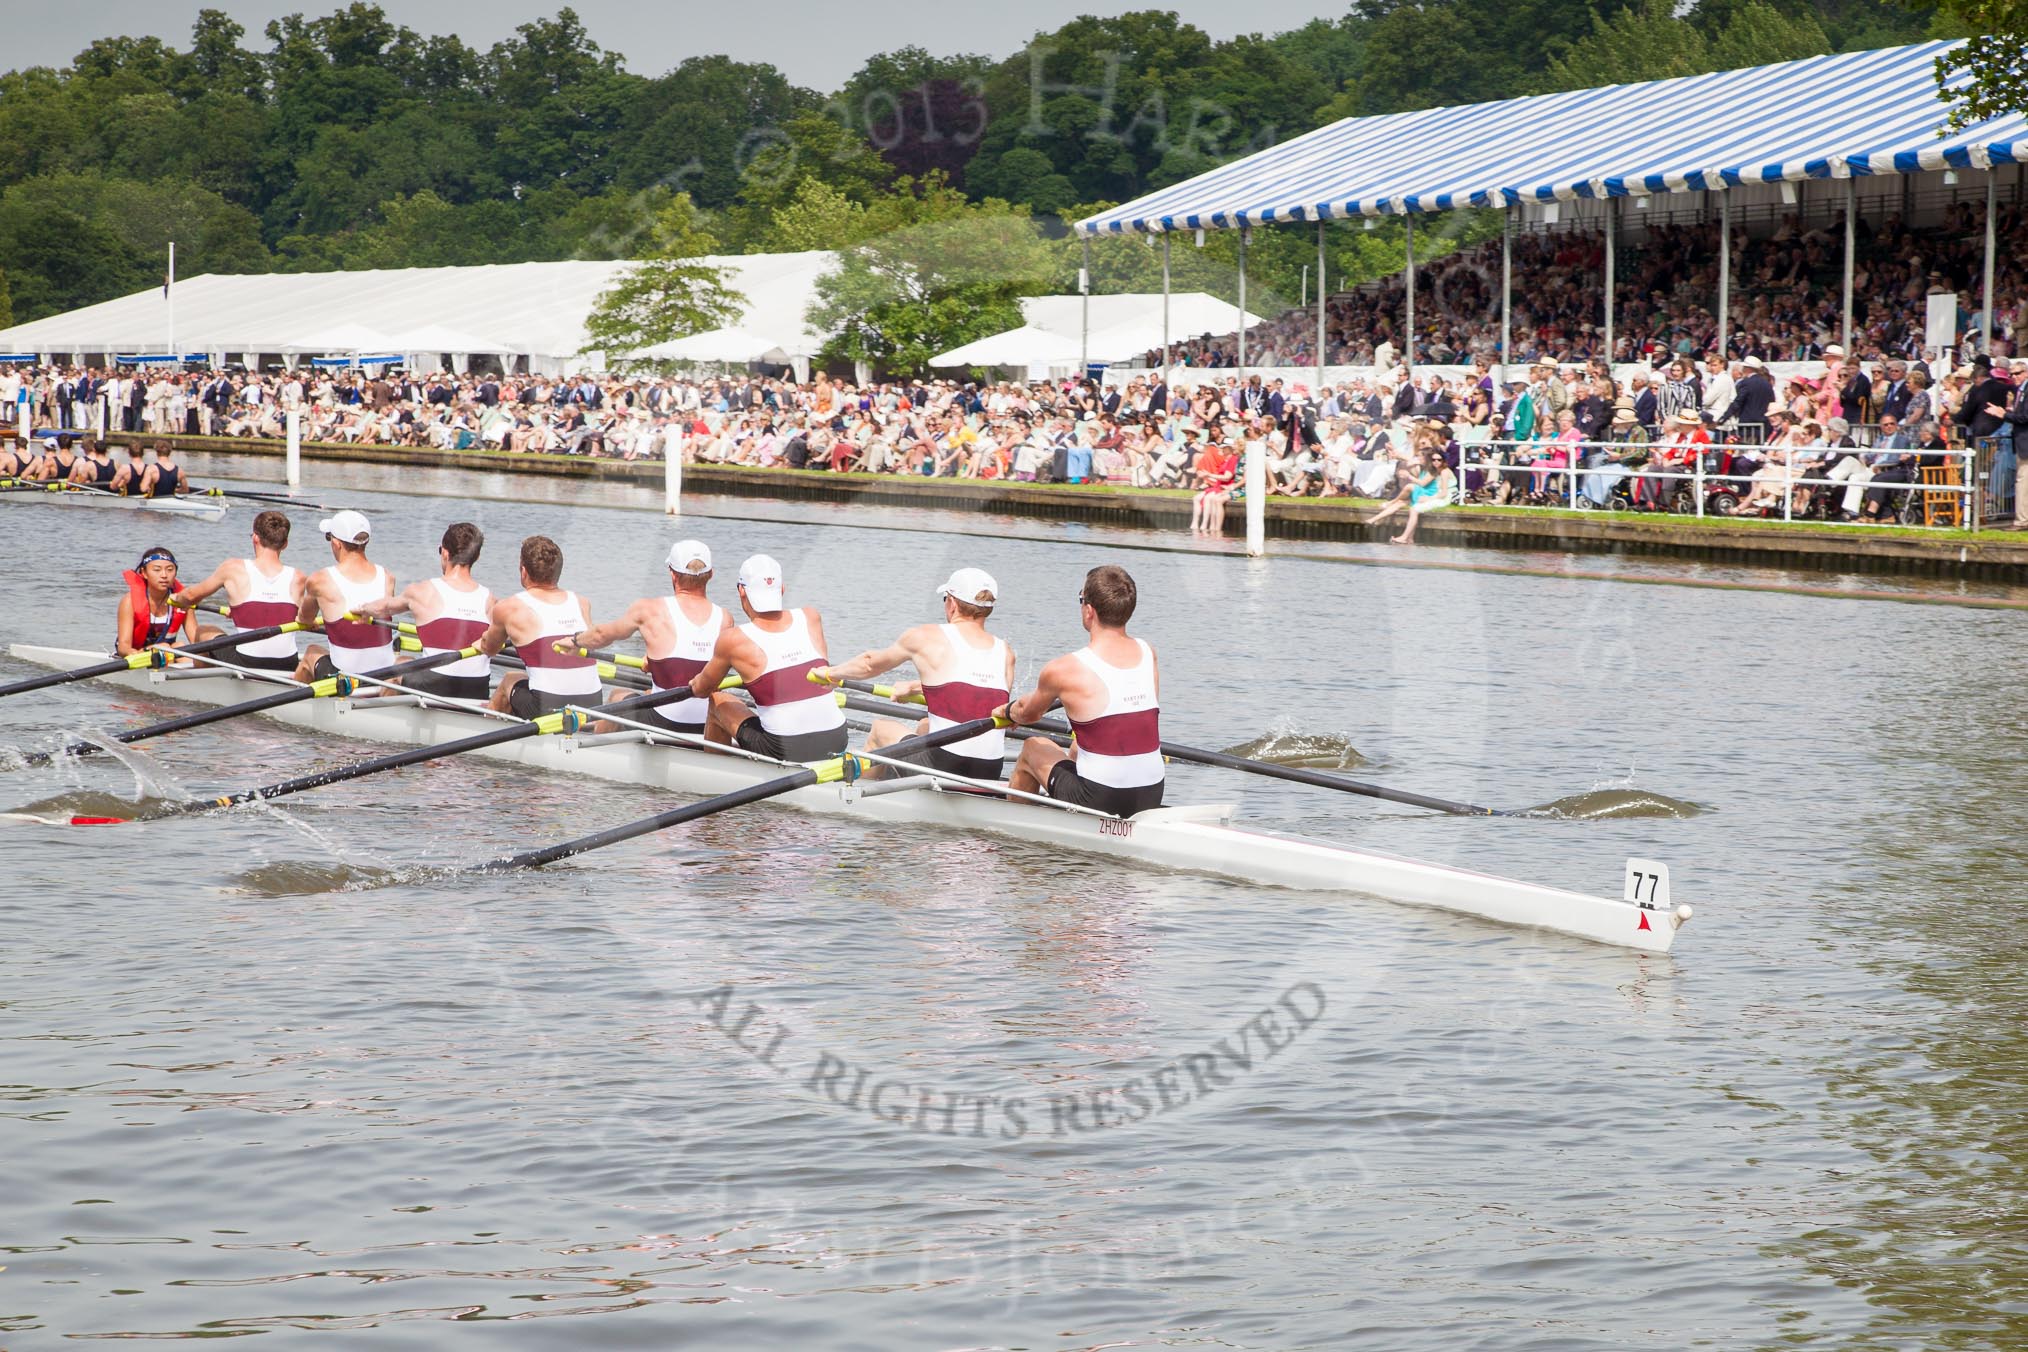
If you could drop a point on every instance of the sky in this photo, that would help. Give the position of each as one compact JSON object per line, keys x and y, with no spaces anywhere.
{"x":815,"y":43}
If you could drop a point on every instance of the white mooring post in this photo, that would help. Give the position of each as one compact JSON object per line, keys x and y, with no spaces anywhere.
{"x":672,"y":479}
{"x":1256,"y":499}
{"x":294,"y":456}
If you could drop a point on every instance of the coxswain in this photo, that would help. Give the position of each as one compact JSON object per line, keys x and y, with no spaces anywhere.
{"x":452,"y":612}
{"x":680,"y":632}
{"x":151,"y":614}
{"x":1110,"y":690}
{"x":164,"y":478}
{"x":97,"y":469}
{"x":535,"y":620}
{"x":262,"y":592}
{"x":966,"y":674}
{"x":335,"y":593}
{"x":774,"y":653}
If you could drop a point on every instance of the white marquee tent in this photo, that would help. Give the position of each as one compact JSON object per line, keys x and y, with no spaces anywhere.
{"x":1122,"y":327}
{"x":533,"y":312}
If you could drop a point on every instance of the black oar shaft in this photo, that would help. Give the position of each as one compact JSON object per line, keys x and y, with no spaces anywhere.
{"x":1198,"y":756}
{"x":140,"y":661}
{"x":753,"y":793}
{"x":340,"y":774}
{"x":293,"y":695}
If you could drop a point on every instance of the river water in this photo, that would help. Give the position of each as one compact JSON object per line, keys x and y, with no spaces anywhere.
{"x":238,"y":1102}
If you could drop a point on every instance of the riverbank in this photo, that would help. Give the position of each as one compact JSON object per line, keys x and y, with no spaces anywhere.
{"x":1994,"y":556}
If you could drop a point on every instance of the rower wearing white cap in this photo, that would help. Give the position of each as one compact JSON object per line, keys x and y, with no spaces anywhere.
{"x":536,"y":620}
{"x":680,"y":632}
{"x":774,"y":653}
{"x":333,"y":593}
{"x":966,"y":673}
{"x":452,"y":611}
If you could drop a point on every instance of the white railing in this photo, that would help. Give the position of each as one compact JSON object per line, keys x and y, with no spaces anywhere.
{"x":1584,"y":485}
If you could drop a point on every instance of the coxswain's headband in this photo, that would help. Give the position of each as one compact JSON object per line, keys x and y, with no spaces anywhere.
{"x":156,"y":553}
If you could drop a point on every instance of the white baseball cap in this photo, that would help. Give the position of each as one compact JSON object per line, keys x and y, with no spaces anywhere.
{"x":690,"y":556}
{"x":973,"y":586}
{"x":760,"y":577}
{"x":348,"y":526}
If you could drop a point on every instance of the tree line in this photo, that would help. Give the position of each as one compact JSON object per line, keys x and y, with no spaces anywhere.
{"x":350,"y":141}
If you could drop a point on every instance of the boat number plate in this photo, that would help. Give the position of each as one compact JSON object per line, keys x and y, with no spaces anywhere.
{"x":1647,"y":884}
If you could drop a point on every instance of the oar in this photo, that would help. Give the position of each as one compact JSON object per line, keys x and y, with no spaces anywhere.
{"x":866,"y":688}
{"x":607,"y":660}
{"x":327,"y":688}
{"x":823,"y":772}
{"x":1294,"y":775}
{"x":563,"y":721}
{"x":148,"y":658}
{"x":261,"y":497}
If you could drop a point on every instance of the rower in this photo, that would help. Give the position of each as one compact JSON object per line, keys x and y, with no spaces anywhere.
{"x":164,"y":478}
{"x":966,"y":673}
{"x":148,"y":616}
{"x":263,"y":592}
{"x":452,"y":612}
{"x":535,"y":619}
{"x":96,"y":469}
{"x":774,"y":653}
{"x":332,"y":594}
{"x":680,"y":632}
{"x":128,"y":481}
{"x":14,"y":461}
{"x":57,"y":460}
{"x":1110,"y":689}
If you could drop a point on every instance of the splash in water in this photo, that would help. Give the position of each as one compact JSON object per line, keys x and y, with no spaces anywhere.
{"x":1611,"y":804}
{"x":1304,"y":750}
{"x":87,"y":803}
{"x":297,"y":877}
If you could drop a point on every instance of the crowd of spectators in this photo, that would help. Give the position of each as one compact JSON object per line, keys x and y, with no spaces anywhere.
{"x":1786,"y":296}
{"x":1417,"y":441}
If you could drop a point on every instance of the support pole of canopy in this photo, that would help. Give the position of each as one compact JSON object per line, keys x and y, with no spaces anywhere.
{"x":1242,"y":307}
{"x":1408,"y":344}
{"x":169,"y":295}
{"x":1851,"y":244}
{"x":1724,"y":269}
{"x":1506,"y":303}
{"x":1992,"y":207}
{"x":1165,"y":309}
{"x":1612,"y":215}
{"x":1084,"y":313}
{"x":1253,"y":450}
{"x":1320,"y":312}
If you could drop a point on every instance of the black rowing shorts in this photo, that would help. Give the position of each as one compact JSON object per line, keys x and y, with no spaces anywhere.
{"x":285,"y":665}
{"x":797,"y":746}
{"x":971,"y":767}
{"x":478,"y":688}
{"x":1066,"y":785}
{"x":528,"y":702}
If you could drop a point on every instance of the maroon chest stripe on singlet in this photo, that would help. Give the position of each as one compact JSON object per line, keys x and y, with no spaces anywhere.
{"x":787,"y":685}
{"x":1133,"y":734}
{"x":448,"y":633}
{"x":961,"y":703}
{"x":353,"y":634}
{"x":262,"y":614}
{"x":542,"y":653}
{"x":669,"y":672}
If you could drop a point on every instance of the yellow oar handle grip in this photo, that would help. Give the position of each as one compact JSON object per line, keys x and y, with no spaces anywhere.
{"x":609,"y":659}
{"x":888,"y":692}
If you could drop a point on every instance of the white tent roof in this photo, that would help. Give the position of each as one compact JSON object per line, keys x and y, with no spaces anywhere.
{"x":443,"y":338}
{"x":1122,"y":326}
{"x":731,"y":344}
{"x":340,"y":337}
{"x":518,"y":308}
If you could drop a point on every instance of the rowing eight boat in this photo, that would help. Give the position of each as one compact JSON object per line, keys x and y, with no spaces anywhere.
{"x":78,"y":495}
{"x":1195,"y":839}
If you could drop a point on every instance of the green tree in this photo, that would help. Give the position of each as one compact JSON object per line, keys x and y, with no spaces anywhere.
{"x":6,"y":302}
{"x":1755,"y":33}
{"x":670,"y":293}
{"x":697,"y":128}
{"x":1646,"y":42}
{"x":949,"y":271}
{"x":817,"y":217}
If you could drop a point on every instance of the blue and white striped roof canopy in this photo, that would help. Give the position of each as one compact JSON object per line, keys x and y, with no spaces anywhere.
{"x":1852,"y":114}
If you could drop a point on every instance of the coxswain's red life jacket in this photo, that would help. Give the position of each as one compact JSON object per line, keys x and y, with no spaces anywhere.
{"x":137,"y":592}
